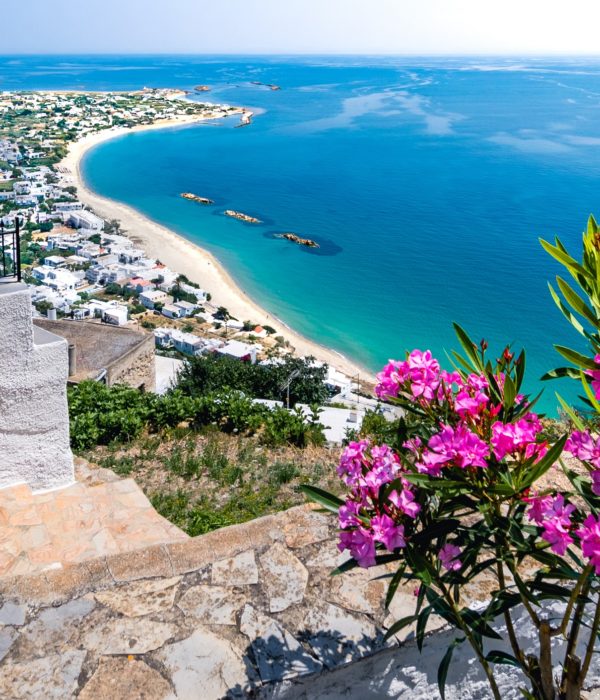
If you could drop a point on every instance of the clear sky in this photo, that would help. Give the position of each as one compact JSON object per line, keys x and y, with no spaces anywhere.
{"x":301,"y":26}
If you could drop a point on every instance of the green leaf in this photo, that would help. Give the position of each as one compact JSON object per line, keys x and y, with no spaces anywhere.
{"x":510,"y":391}
{"x":324,"y":498}
{"x":576,"y":357}
{"x":589,"y":393}
{"x":477,"y":622}
{"x":571,"y":413}
{"x":438,"y":529}
{"x":520,"y":369}
{"x":393,"y":586}
{"x":524,"y":590}
{"x":573,"y":320}
{"x":501,"y":657}
{"x":560,"y":372}
{"x":421,"y":568}
{"x":576,"y":302}
{"x":445,"y":664}
{"x":564,"y":259}
{"x":541,"y":467}
{"x":421,"y":625}
{"x":397,"y":626}
{"x":469,"y":347}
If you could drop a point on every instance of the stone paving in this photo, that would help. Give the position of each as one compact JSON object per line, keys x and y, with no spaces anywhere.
{"x":223,"y":615}
{"x":98,"y":515}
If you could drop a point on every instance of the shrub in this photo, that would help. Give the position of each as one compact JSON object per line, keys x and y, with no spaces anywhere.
{"x":467,"y":489}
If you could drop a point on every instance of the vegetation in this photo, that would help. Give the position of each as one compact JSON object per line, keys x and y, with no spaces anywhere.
{"x":475,"y":484}
{"x":202,"y":375}
{"x":103,"y":416}
{"x":204,"y":461}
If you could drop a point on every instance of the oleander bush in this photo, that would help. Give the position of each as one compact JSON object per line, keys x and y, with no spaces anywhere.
{"x":471,"y":486}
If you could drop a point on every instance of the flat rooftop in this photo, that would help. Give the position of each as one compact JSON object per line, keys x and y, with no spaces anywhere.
{"x":97,"y":346}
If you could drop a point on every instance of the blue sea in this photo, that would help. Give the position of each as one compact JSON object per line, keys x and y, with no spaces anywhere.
{"x":426,"y":182}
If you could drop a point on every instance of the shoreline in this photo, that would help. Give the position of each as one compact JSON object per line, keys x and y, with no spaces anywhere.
{"x":185,"y":257}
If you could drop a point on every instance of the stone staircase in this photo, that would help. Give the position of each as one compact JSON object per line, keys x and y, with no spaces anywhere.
{"x":89,"y":519}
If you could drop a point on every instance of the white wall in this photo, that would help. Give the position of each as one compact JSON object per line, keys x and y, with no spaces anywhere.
{"x":34,"y":421}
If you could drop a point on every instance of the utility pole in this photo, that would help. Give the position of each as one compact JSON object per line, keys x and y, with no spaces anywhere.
{"x":286,"y":384}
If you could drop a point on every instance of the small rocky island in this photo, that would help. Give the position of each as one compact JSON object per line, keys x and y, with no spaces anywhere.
{"x":242,"y":217}
{"x":196,"y":198}
{"x":202,"y":88}
{"x":300,"y":241}
{"x":271,"y":86}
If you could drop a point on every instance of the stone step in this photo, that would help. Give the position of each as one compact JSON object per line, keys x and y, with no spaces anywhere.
{"x":80,"y":522}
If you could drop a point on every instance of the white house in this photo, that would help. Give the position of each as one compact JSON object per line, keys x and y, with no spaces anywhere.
{"x":54,"y":261}
{"x":151,"y":298}
{"x":117,"y":315}
{"x":239,"y":350}
{"x":58,"y":279}
{"x":185,"y":308}
{"x":84,"y":219}
{"x":172,"y":311}
{"x":336,"y":421}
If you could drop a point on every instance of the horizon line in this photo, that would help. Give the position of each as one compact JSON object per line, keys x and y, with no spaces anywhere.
{"x":496,"y":54}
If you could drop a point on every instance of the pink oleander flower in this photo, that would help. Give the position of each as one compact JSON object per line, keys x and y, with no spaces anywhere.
{"x":467,"y":404}
{"x":455,"y":446}
{"x":448,"y":556}
{"x":516,"y":438}
{"x":383,"y":468}
{"x":352,"y":461}
{"x":405,"y":502}
{"x":554,"y":517}
{"x":478,"y":382}
{"x":596,"y":482}
{"x":348,"y":514}
{"x":450,"y":378}
{"x":390,"y":379}
{"x":557,"y":536}
{"x":595,"y":375}
{"x":387,"y":532}
{"x":583,"y":446}
{"x":539,"y":506}
{"x":423,"y":374}
{"x":589,"y":534}
{"x":360,"y":544}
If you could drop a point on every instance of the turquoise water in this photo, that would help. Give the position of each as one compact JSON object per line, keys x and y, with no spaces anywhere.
{"x":426,"y":182}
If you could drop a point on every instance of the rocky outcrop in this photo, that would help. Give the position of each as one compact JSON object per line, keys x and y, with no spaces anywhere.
{"x":242,"y":217}
{"x":196,"y":198}
{"x":202,"y":88}
{"x":271,"y":86}
{"x":300,"y":241}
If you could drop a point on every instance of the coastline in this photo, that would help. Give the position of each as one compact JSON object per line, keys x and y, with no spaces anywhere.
{"x":183,"y":256}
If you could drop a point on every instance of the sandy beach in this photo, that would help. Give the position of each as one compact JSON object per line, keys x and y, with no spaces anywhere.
{"x":185,"y":257}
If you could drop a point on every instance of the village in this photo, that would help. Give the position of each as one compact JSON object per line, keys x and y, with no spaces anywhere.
{"x":81,"y":268}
